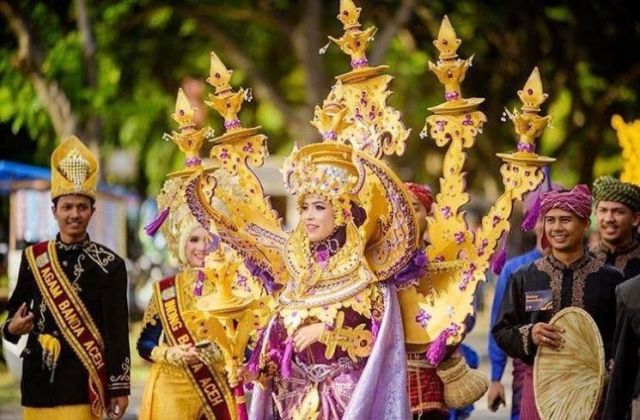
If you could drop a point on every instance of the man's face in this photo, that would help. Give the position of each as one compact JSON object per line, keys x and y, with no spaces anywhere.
{"x":616,"y":222}
{"x":73,"y":212}
{"x":564,"y":230}
{"x":421,"y":214}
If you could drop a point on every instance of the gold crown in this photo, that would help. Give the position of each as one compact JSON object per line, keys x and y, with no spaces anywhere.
{"x":74,"y":169}
{"x":180,"y":220}
{"x":324,"y":169}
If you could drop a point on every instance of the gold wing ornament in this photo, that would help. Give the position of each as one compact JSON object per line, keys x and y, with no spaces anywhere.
{"x":435,"y":311}
{"x":250,"y":225}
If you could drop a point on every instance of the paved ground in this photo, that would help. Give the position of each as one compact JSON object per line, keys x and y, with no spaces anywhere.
{"x":477,"y":339}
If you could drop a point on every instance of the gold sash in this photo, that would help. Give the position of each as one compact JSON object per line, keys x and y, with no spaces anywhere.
{"x":212,"y":388}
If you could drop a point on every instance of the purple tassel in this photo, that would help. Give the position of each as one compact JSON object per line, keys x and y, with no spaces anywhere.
{"x":532,"y":215}
{"x":152,"y":228}
{"x":499,"y":260}
{"x":412,"y":271}
{"x":287,"y":357}
{"x":438,"y":349}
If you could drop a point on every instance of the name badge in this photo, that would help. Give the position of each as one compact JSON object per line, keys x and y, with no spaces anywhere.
{"x":538,"y":300}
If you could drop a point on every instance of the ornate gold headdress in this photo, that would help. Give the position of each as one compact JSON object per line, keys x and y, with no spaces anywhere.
{"x":74,"y":169}
{"x":355,"y":119}
{"x":328,"y":173}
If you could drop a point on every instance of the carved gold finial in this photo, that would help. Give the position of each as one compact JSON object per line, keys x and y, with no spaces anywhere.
{"x":349,"y":15}
{"x":447,"y":42}
{"x":369,"y":124}
{"x":529,"y":124}
{"x":188,"y":139}
{"x":224,"y":100}
{"x":184,"y":112}
{"x":219,"y":75}
{"x":354,"y":41}
{"x":451,"y":71}
{"x":532,"y":95}
{"x":222,"y":271}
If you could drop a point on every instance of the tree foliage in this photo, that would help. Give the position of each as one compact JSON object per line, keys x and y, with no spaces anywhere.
{"x":109,"y":71}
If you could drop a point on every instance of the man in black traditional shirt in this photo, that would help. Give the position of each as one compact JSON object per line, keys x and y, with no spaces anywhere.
{"x":566,"y":277}
{"x":71,"y":299}
{"x":618,"y":216}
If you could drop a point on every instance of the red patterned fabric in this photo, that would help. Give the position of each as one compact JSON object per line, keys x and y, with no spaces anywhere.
{"x":426,"y":390}
{"x":528,"y":409}
{"x":577,"y":201}
{"x":422,"y":193}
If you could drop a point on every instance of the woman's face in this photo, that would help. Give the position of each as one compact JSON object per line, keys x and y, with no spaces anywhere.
{"x":318,"y":218}
{"x":196,"y":247}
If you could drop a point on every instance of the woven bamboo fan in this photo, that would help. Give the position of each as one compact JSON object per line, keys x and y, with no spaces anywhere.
{"x":568,"y":383}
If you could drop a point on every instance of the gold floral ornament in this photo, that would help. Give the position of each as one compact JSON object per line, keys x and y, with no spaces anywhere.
{"x":369,"y":124}
{"x":227,"y":318}
{"x":74,"y":169}
{"x":189,"y":139}
{"x":434,"y":312}
{"x":629,"y":139}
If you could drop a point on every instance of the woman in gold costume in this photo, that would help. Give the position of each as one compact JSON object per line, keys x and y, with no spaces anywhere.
{"x":334,"y":348}
{"x":180,"y":365}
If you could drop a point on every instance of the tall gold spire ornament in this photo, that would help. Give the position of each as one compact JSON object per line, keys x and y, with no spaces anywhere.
{"x":188,"y":139}
{"x":361,"y":94}
{"x":629,"y":139}
{"x":435,"y":311}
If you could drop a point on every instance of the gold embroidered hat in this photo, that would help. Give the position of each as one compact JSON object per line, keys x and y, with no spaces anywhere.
{"x":74,"y":169}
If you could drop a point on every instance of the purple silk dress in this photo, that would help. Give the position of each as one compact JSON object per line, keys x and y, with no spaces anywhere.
{"x":372,"y":388}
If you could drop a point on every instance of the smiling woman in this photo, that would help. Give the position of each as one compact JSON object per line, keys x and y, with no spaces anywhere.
{"x":317,"y":215}
{"x":172,"y":391}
